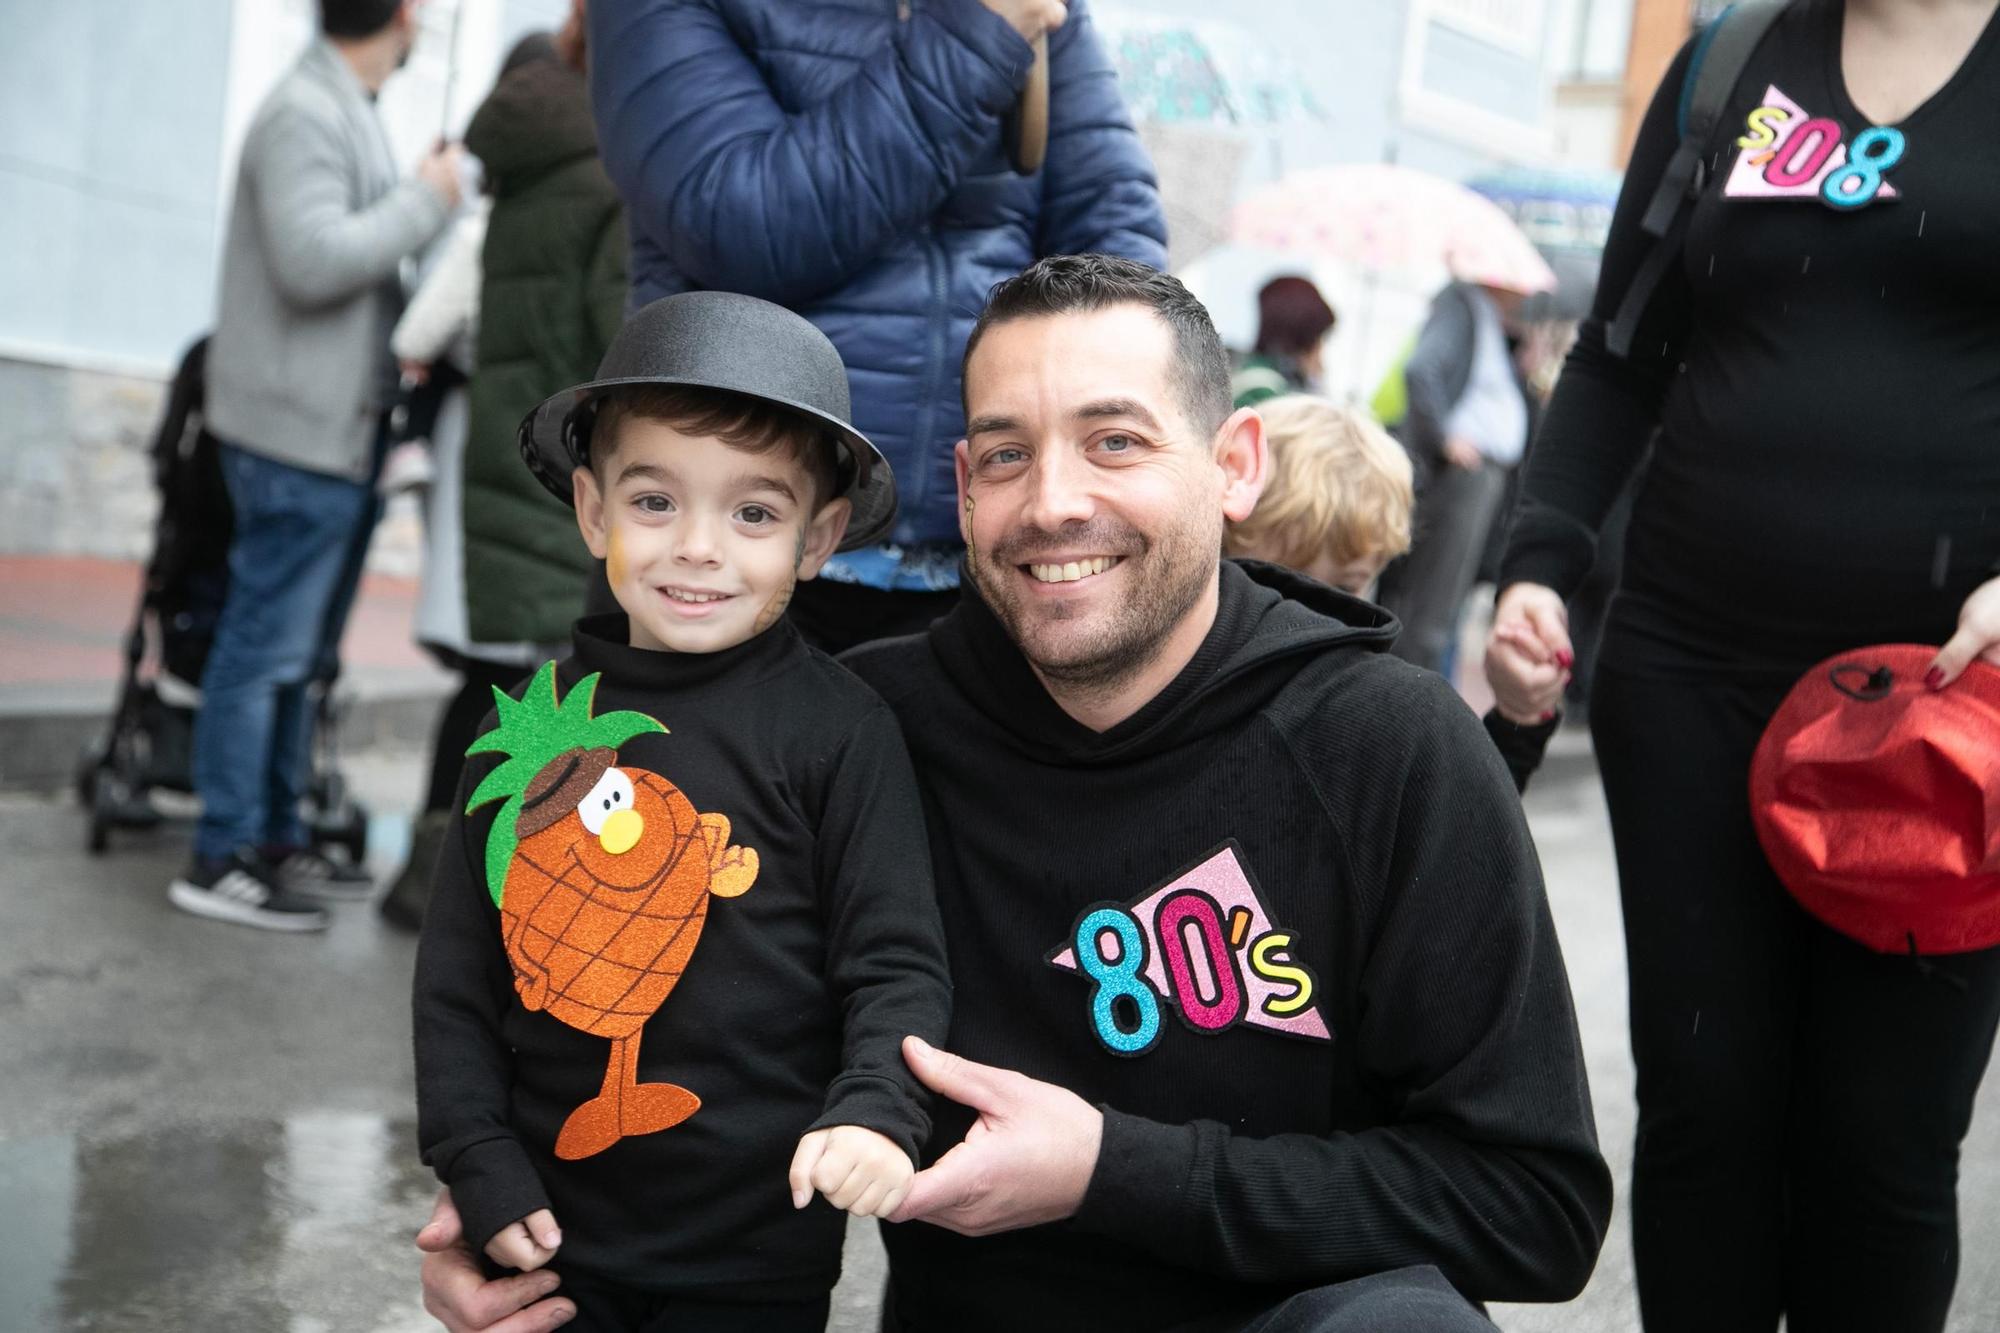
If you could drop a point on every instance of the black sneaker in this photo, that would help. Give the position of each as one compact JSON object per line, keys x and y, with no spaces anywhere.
{"x":240,"y":889}
{"x":310,"y":874}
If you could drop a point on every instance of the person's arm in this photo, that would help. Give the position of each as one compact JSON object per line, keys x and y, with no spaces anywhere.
{"x":1487,"y":1163}
{"x":465,"y":1069}
{"x":1434,"y":377}
{"x":1521,"y":746}
{"x":447,"y":304}
{"x":746,"y":195}
{"x":885,"y":956}
{"x":320,"y":250}
{"x":1605,"y":408}
{"x":1099,"y":194}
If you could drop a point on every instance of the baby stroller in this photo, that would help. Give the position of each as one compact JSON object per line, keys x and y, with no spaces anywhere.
{"x":148,"y":749}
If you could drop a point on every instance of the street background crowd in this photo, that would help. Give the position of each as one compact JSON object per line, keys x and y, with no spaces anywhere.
{"x":1398,"y":249}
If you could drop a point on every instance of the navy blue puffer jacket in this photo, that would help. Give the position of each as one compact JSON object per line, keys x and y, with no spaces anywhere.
{"x":844,"y":158}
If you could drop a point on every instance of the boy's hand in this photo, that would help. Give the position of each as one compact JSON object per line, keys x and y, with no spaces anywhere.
{"x":855,"y":1168}
{"x":1528,"y":654}
{"x":527,"y":1244}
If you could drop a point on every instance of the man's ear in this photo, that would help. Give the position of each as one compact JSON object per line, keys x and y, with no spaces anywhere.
{"x":961,"y":463}
{"x":1244,"y":456}
{"x":823,"y":535}
{"x":589,"y":502}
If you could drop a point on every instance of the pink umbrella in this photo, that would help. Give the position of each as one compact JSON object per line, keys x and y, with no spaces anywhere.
{"x":1392,"y":221}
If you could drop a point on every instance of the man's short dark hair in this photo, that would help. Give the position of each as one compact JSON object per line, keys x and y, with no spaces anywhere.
{"x":1063,"y":284}
{"x":355,"y":19}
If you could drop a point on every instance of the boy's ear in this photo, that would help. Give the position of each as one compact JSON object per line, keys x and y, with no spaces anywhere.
{"x":589,"y":502}
{"x":823,"y":534}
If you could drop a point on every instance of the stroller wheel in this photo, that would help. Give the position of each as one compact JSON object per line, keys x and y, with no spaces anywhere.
{"x":353,"y":835}
{"x":99,"y":803}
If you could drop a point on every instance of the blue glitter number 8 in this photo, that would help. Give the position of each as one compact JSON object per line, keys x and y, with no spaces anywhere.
{"x":1113,"y":981}
{"x":1873,"y":152}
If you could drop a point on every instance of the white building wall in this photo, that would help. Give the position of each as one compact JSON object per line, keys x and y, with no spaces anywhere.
{"x":108,"y":177}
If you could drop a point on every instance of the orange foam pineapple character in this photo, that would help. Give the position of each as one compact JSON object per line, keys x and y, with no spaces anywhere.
{"x":602,"y":874}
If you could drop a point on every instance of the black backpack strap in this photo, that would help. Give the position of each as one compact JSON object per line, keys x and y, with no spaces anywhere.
{"x":1720,"y":57}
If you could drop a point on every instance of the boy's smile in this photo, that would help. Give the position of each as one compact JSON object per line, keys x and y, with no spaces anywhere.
{"x":702,"y":541}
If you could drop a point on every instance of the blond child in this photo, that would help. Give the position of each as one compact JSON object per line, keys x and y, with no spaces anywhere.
{"x":1337,"y":504}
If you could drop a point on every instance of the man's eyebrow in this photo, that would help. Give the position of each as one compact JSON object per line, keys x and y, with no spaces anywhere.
{"x":1118,"y":407}
{"x":990,"y":426}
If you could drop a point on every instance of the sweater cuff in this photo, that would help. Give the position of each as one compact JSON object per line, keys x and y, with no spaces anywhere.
{"x":989,"y":37}
{"x":1554,"y":552}
{"x":493,"y":1184}
{"x":876,"y":1103}
{"x":1141,"y":1181}
{"x":1522,"y":747}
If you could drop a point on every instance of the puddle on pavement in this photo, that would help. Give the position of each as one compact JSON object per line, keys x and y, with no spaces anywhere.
{"x":301,"y":1226}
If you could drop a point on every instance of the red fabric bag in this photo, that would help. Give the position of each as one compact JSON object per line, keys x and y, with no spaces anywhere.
{"x":1878,"y":800}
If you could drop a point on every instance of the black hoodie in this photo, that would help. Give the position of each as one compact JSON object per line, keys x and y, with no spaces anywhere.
{"x":1424,"y":1103}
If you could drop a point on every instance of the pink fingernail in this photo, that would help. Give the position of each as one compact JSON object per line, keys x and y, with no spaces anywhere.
{"x":1934,"y":678}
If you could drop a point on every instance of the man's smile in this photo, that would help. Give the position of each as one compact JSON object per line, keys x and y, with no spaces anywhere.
{"x":1069,"y":571}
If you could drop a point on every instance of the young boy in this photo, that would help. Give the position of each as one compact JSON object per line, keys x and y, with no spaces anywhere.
{"x":686,"y":919}
{"x":1337,"y":504}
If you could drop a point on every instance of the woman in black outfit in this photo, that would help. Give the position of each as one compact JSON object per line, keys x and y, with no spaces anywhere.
{"x":1822,"y":365}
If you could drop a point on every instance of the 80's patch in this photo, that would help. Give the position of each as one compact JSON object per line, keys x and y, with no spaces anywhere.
{"x":1786,"y":153}
{"x":1203,"y":942}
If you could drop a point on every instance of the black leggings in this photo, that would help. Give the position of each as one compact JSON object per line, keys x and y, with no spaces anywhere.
{"x":1801,"y":1098}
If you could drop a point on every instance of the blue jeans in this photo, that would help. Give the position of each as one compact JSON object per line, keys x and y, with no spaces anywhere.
{"x":294,"y":565}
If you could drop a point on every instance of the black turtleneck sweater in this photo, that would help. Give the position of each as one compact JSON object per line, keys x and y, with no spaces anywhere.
{"x":788,"y":1018}
{"x":1427,"y":1105}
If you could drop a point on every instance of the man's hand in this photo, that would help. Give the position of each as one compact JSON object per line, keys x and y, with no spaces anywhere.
{"x":1978,"y":637}
{"x":1528,"y":655}
{"x":527,"y":1244}
{"x":457,"y":1294}
{"x":440,"y":170}
{"x":855,"y":1168}
{"x":1027,"y":1160}
{"x":1463,"y":453}
{"x":1030,"y":18}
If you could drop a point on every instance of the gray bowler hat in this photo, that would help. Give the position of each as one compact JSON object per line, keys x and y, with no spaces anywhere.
{"x":720,"y":340}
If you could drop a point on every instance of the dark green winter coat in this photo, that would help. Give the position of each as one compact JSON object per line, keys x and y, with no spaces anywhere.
{"x":552,"y":297}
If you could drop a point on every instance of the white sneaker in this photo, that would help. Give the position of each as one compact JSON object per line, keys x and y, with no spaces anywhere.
{"x":240,"y":891}
{"x":406,"y":467}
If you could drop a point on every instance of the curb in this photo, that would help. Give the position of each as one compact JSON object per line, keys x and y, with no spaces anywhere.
{"x":43,"y":741}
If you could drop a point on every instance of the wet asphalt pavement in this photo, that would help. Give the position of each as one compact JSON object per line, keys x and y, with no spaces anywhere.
{"x":204,"y":1127}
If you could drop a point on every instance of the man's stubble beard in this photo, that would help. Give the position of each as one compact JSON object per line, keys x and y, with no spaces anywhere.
{"x":1184,"y":562}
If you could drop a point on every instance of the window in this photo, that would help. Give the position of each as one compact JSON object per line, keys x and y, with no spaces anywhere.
{"x":1515,"y":24}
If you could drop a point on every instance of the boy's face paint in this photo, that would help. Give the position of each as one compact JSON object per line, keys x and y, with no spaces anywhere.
{"x":702,"y":542}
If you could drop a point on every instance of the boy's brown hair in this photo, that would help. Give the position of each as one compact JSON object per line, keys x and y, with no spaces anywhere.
{"x":738,"y":421}
{"x":1339,"y":484}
